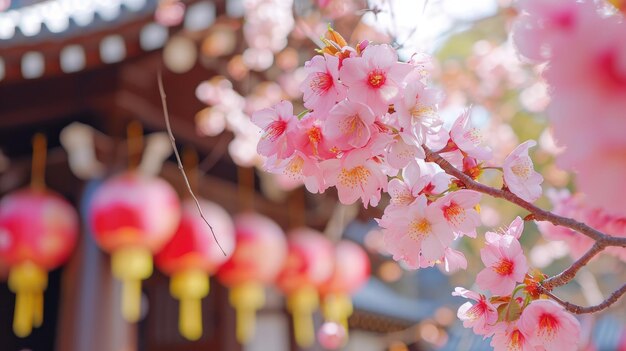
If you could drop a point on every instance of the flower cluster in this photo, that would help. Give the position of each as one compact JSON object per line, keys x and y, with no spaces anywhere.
{"x":368,"y":119}
{"x":588,"y":90}
{"x":524,"y":322}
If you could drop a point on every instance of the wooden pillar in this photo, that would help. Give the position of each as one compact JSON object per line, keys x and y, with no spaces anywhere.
{"x":90,"y":306}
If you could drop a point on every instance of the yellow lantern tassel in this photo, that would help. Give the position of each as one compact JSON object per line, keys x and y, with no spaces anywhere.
{"x":131,"y":266}
{"x":247,"y":299}
{"x":338,"y":308}
{"x":27,"y":281}
{"x":302,"y":303}
{"x":189,"y":288}
{"x":37,"y":309}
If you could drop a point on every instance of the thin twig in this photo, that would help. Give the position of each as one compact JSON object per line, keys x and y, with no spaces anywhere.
{"x":590,"y":309}
{"x":537,"y":213}
{"x":178,"y":160}
{"x":568,"y":274}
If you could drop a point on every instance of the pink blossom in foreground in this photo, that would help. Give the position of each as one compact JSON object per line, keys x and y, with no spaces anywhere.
{"x":458,"y":208}
{"x":548,"y":325}
{"x":509,"y":337}
{"x":417,"y":231}
{"x":299,"y":167}
{"x":321,"y":87}
{"x":454,"y":260}
{"x":403,"y":150}
{"x":277,"y":123}
{"x":356,"y":176}
{"x":504,"y":261}
{"x":374,"y":78}
{"x":519,"y":174}
{"x":468,"y":139}
{"x":310,"y":138}
{"x":481,"y":316}
{"x":349,"y":124}
{"x":416,"y":110}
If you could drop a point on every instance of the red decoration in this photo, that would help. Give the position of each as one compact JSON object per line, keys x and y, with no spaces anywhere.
{"x":132,"y":217}
{"x":191,"y":256}
{"x":352,"y":269}
{"x":309,"y":264}
{"x":257,"y":260}
{"x":38,"y":230}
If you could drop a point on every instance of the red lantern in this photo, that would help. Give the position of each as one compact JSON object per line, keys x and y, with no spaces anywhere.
{"x":132,"y":217}
{"x":309,"y":264}
{"x":38,"y":230}
{"x":191,"y":256}
{"x":352,"y":269}
{"x":257,"y":260}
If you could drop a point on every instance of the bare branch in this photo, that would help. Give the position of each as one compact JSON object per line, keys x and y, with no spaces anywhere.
{"x":178,"y":160}
{"x":590,"y":309}
{"x":568,"y":274}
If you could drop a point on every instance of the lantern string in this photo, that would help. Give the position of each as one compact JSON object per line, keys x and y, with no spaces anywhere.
{"x":245,"y":177}
{"x":134,"y":133}
{"x":178,"y":160}
{"x":38,"y":171}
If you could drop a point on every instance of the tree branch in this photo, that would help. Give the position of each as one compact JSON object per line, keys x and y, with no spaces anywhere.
{"x":590,"y":309}
{"x":568,"y":274}
{"x":538,"y":213}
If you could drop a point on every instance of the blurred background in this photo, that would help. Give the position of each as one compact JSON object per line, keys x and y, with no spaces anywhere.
{"x":81,"y":72}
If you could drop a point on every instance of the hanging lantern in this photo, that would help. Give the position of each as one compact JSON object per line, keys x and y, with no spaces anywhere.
{"x":352,"y":269}
{"x":133,"y":216}
{"x":309,"y":264}
{"x":38,"y":230}
{"x":257,"y":260}
{"x":191,"y":256}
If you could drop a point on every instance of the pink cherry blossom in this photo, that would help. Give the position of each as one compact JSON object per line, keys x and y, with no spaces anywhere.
{"x":520,"y":176}
{"x":277,"y":123}
{"x":356,"y":176}
{"x":374,"y":78}
{"x":416,"y":110}
{"x":321,"y":87}
{"x":402,"y":150}
{"x":481,"y":316}
{"x":508,"y":337}
{"x":349,"y":125}
{"x":310,"y":138}
{"x":468,"y":139}
{"x":504,"y":260}
{"x":299,"y":167}
{"x":458,"y":208}
{"x":548,"y":325}
{"x":454,"y":260}
{"x":416,"y":231}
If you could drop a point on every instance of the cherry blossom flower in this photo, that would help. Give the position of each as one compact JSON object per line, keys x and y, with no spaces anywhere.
{"x":458,"y":208}
{"x":520,"y":176}
{"x":310,"y":138}
{"x":548,"y":325}
{"x":504,"y":260}
{"x":454,"y":260}
{"x":356,"y":176}
{"x":349,"y":125}
{"x":374,"y":78}
{"x":468,"y":139}
{"x":321,"y":87}
{"x":277,"y":123}
{"x":298,"y":167}
{"x":416,"y":230}
{"x":509,"y":337}
{"x":403,"y":150}
{"x":416,"y":110}
{"x":480,"y":316}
